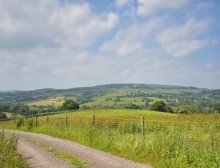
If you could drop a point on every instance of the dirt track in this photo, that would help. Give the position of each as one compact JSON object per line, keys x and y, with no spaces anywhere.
{"x":37,"y":157}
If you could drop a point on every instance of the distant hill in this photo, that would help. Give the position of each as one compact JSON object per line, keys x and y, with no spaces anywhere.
{"x":118,"y":95}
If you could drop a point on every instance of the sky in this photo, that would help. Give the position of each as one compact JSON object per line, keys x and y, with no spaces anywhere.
{"x":75,"y":43}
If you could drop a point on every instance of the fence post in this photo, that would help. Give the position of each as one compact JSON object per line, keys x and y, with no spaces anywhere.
{"x":142,"y":123}
{"x":93,"y":120}
{"x":47,"y":119}
{"x":36,"y":121}
{"x":66,"y":120}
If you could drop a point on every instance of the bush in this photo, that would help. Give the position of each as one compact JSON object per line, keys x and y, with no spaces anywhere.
{"x":186,"y":109}
{"x":30,"y":123}
{"x":3,"y":116}
{"x":19,"y":122}
{"x":85,"y":107}
{"x":70,"y":105}
{"x":8,"y":154}
{"x":160,"y":106}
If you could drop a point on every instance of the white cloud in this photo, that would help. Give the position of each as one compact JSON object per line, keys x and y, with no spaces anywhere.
{"x":131,"y":41}
{"x":78,"y":26}
{"x":149,"y":7}
{"x":182,"y":40}
{"x":120,"y":3}
{"x":54,"y":45}
{"x":28,"y":24}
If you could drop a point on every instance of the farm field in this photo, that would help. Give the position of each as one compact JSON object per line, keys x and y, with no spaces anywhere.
{"x":54,"y":101}
{"x":161,"y":139}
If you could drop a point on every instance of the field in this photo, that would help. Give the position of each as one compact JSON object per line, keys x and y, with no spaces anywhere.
{"x":161,"y":139}
{"x":54,"y":101}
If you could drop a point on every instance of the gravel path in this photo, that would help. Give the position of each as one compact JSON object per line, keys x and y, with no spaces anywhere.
{"x":37,"y":157}
{"x":95,"y":158}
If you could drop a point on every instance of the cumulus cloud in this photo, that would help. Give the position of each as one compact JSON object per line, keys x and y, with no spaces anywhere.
{"x":131,"y":41}
{"x":182,"y":40}
{"x":46,"y":43}
{"x":44,"y":23}
{"x":120,"y":3}
{"x":149,"y":7}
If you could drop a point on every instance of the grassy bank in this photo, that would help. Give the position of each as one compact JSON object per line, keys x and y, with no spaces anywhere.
{"x":183,"y":141}
{"x":9,"y":158}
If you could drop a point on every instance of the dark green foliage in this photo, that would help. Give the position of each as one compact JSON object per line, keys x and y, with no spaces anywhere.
{"x":160,"y":106}
{"x":186,"y":109}
{"x":70,"y":105}
{"x":216,"y":108}
{"x":19,"y":122}
{"x":3,"y":116}
{"x":84,"y":107}
{"x":4,"y":107}
{"x":30,"y":123}
{"x":133,"y":106}
{"x":19,"y":109}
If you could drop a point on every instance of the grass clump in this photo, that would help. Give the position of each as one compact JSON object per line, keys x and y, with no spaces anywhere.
{"x":19,"y":122}
{"x":9,"y":158}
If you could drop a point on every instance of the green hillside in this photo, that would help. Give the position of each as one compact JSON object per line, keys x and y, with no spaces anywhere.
{"x":116,"y":96}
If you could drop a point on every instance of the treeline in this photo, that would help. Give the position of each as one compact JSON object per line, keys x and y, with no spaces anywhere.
{"x":161,"y":106}
{"x":26,"y":110}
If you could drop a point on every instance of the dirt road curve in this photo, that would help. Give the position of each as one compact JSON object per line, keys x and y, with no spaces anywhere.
{"x":37,"y":157}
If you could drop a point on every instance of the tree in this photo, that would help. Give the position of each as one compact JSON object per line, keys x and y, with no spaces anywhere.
{"x":3,"y":116}
{"x":216,"y":108}
{"x":186,"y":109}
{"x":133,"y":106}
{"x":14,"y":108}
{"x":70,"y":105}
{"x":84,"y":107}
{"x":5,"y":108}
{"x":160,"y":106}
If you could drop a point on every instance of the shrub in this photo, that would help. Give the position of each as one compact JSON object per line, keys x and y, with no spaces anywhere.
{"x":3,"y":116}
{"x":30,"y":123}
{"x":160,"y":106}
{"x":70,"y":105}
{"x":8,"y":154}
{"x":19,"y":122}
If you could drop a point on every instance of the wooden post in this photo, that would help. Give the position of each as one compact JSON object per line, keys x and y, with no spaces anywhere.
{"x":93,"y":120}
{"x":47,"y":119}
{"x":36,"y":121}
{"x":26,"y":117}
{"x":3,"y":132}
{"x":142,"y":123}
{"x":66,"y":120}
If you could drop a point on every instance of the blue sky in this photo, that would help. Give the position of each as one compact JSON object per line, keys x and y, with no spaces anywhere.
{"x":73,"y":43}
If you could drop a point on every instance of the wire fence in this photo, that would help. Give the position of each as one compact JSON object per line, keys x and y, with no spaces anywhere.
{"x":141,"y":124}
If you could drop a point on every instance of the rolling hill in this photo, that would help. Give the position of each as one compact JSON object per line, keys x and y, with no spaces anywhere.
{"x":115,"y":95}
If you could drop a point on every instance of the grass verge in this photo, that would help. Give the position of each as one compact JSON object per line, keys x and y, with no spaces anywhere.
{"x":9,"y":157}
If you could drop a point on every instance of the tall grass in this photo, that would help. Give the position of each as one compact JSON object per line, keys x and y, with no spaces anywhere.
{"x":174,"y":141}
{"x":9,"y":158}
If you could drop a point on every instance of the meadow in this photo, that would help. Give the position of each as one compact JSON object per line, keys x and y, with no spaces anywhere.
{"x":53,"y":101}
{"x":161,"y":139}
